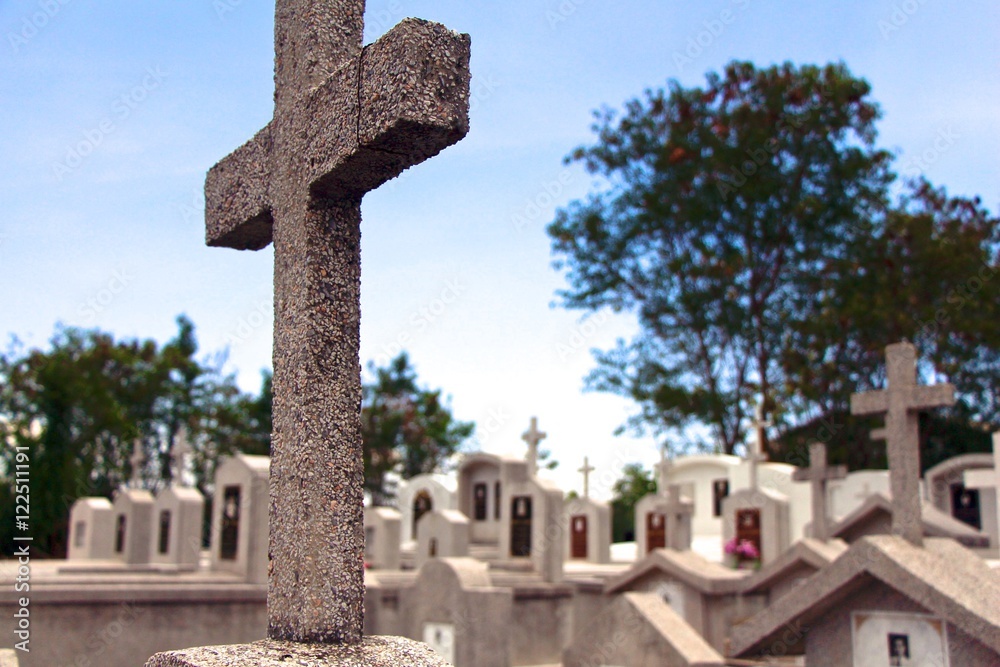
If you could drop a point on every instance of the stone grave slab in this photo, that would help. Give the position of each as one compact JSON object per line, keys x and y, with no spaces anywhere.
{"x":382,"y":537}
{"x":91,"y":529}
{"x":442,"y":534}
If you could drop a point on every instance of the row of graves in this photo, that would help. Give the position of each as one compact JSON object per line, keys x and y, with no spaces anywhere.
{"x":494,"y":566}
{"x":892,"y":569}
{"x":139,"y":530}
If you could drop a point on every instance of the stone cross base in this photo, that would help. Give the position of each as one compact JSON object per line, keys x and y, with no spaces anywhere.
{"x":371,"y":652}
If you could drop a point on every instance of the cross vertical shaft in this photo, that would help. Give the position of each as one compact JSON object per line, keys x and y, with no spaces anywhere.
{"x":663,"y":472}
{"x":756,"y":454}
{"x":585,"y":471}
{"x":533,"y":436}
{"x":818,"y":473}
{"x":137,"y":460}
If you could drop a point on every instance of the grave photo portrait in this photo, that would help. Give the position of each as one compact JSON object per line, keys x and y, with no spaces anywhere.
{"x":884,"y":639}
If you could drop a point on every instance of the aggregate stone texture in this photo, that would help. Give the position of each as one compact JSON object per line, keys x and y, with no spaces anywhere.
{"x":346,"y":120}
{"x":370,"y":652}
{"x":901,"y":402}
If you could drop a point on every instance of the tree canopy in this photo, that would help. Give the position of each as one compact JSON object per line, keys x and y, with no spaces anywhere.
{"x":760,"y":236}
{"x":82,"y":405}
{"x":405,"y":429}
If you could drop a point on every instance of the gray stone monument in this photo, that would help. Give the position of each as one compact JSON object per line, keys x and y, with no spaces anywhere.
{"x":239,"y":517}
{"x":818,"y":474}
{"x":455,"y":608}
{"x":91,"y":529}
{"x":533,"y":436}
{"x":133,"y":526}
{"x":346,"y":120}
{"x":589,"y":521}
{"x":901,"y":402}
{"x":442,"y":534}
{"x":382,"y":541}
{"x":177,"y":516}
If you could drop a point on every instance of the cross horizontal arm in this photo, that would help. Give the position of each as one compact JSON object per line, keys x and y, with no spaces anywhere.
{"x":935,"y":396}
{"x":414,"y":96}
{"x":237,"y":197}
{"x":828,"y":473}
{"x":869,"y":403}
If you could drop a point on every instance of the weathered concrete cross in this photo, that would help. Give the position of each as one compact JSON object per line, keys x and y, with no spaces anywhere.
{"x":346,"y":119}
{"x":678,"y":512}
{"x":756,"y":454}
{"x":137,"y":460}
{"x":818,"y":473}
{"x":178,"y":455}
{"x":663,"y":472}
{"x":533,"y":436}
{"x":585,"y":471}
{"x":901,"y":402}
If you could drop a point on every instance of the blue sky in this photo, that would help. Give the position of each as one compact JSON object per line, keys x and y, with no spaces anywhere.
{"x":115,"y":110}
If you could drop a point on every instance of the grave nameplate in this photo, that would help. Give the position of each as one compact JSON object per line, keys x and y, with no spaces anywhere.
{"x":520,"y":526}
{"x":578,"y":540}
{"x":120,"y":534}
{"x":479,"y":497}
{"x":748,"y":527}
{"x":230,"y":523}
{"x":965,"y":505}
{"x":163,"y":543}
{"x":656,"y":531}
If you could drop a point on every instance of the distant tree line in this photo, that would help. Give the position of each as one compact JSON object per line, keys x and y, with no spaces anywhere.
{"x":81,"y":406}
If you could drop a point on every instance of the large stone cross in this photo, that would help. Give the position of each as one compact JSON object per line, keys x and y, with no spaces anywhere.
{"x":137,"y":460}
{"x":585,"y":471}
{"x":756,"y":454}
{"x":818,"y":474}
{"x":346,"y":119}
{"x":901,"y":402}
{"x":533,"y":436}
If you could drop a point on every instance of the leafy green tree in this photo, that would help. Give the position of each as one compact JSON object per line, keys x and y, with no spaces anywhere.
{"x":749,"y":226}
{"x":634,"y":483}
{"x":81,"y":405}
{"x":405,"y":429}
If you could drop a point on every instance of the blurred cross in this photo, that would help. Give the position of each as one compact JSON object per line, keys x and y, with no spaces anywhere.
{"x":901,"y":402}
